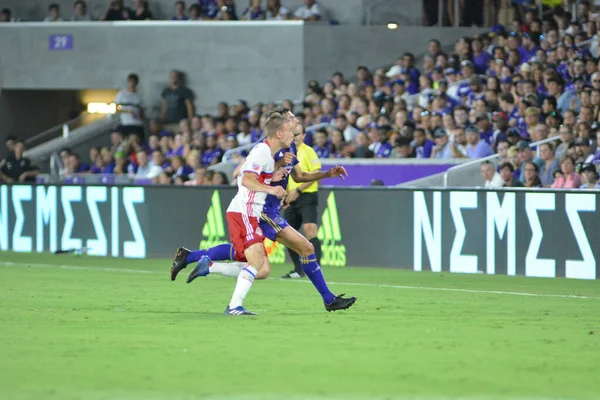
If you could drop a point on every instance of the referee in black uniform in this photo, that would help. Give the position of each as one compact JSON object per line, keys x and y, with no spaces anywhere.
{"x":301,"y":203}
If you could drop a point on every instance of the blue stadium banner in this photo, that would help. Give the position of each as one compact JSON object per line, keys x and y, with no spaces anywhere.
{"x":539,"y":233}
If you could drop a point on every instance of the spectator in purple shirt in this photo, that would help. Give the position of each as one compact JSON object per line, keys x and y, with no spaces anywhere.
{"x":320,"y":147}
{"x":179,"y":12}
{"x":481,"y":58}
{"x":213,"y":153}
{"x":422,"y":146}
{"x":210,"y":9}
{"x":381,"y":147}
{"x":253,"y":12}
{"x":528,"y":47}
{"x":328,"y":111}
{"x":476,"y":147}
{"x":74,"y":164}
{"x":485,"y":127}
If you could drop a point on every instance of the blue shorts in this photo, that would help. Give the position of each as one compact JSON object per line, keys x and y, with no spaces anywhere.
{"x":271,"y":223}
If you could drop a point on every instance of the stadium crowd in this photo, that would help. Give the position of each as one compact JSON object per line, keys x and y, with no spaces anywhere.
{"x":495,"y":93}
{"x":200,"y":10}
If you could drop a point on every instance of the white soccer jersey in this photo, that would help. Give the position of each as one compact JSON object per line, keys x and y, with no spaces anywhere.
{"x":260,"y":162}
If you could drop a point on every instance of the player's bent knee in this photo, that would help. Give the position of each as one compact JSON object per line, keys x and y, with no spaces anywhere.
{"x":264,"y":271}
{"x":306,"y":249}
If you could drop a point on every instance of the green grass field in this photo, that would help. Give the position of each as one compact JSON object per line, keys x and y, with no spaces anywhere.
{"x":96,"y":328}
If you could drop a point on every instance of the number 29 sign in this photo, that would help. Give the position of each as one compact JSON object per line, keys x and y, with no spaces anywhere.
{"x":60,"y":42}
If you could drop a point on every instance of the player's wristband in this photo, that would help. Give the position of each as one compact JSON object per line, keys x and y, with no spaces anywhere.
{"x":298,"y":190}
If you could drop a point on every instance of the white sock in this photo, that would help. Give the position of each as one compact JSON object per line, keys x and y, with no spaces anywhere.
{"x":228,"y":269}
{"x":244,"y":283}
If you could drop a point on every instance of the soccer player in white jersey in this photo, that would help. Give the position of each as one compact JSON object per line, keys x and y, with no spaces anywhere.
{"x":244,"y":211}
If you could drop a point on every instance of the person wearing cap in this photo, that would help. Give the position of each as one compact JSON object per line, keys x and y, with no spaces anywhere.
{"x":589,"y":176}
{"x":526,"y":156}
{"x":441,"y":150}
{"x":529,"y":46}
{"x":476,"y":147}
{"x":570,"y":179}
{"x":507,"y":172}
{"x":492,"y":178}
{"x":583,"y":151}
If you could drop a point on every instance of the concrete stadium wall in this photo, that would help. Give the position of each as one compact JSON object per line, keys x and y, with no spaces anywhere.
{"x":222,"y":61}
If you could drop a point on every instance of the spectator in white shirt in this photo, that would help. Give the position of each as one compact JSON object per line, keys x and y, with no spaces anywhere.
{"x":129,"y":104}
{"x":275,"y":12}
{"x":491,"y":177}
{"x":53,"y":13}
{"x":143,"y":169}
{"x":350,"y":132}
{"x":310,"y":11}
{"x":244,"y":136}
{"x":80,"y":11}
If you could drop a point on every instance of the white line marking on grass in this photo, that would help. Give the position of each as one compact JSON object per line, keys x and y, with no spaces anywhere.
{"x":78,"y":268}
{"x":440,"y":289}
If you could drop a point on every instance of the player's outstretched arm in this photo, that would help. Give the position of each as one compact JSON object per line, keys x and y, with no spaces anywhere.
{"x":300,"y":176}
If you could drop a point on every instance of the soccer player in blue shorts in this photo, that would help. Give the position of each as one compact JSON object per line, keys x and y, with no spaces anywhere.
{"x":275,"y":228}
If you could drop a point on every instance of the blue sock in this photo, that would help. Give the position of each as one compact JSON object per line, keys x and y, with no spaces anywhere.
{"x":312,"y":269}
{"x":222,"y":252}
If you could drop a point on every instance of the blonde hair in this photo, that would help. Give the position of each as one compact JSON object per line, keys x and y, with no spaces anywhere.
{"x":274,"y":123}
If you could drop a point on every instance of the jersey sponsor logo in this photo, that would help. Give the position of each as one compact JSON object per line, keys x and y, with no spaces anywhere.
{"x":213,"y":231}
{"x":330,"y":235}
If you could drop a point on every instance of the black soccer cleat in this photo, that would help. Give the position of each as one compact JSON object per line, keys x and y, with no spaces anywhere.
{"x":293,"y":275}
{"x":340,"y":303}
{"x":179,"y":262}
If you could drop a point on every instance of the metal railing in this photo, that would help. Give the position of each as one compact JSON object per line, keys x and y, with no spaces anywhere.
{"x":490,"y":158}
{"x":64,"y":129}
{"x":229,"y":153}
